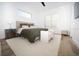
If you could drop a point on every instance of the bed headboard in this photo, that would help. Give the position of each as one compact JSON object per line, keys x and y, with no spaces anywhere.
{"x":19,"y":24}
{"x":27,"y":24}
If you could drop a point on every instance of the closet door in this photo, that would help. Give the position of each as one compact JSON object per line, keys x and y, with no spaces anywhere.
{"x":55,"y":21}
{"x":51,"y":21}
{"x":48,"y":21}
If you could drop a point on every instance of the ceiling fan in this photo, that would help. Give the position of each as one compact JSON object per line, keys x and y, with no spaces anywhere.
{"x":43,"y":4}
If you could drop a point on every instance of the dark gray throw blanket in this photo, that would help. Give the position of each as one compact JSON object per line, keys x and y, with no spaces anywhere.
{"x":5,"y":49}
{"x":32,"y":34}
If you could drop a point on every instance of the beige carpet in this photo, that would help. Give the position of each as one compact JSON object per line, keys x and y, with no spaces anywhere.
{"x":66,"y":47}
{"x":22,"y":47}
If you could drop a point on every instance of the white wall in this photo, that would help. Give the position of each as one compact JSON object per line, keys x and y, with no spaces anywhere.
{"x":75,"y":28}
{"x":75,"y":31}
{"x":2,"y":35}
{"x":64,"y":16}
{"x":34,"y":19}
{"x":7,"y":16}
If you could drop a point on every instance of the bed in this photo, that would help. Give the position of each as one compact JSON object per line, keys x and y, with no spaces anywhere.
{"x":29,"y":31}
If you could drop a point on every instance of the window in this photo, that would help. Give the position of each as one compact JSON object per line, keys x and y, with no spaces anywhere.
{"x":22,"y":13}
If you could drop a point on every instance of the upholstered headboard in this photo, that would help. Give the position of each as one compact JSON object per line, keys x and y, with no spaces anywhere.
{"x":27,"y":24}
{"x":20,"y":23}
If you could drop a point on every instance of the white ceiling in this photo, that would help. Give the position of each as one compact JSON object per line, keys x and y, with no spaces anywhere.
{"x":37,"y":6}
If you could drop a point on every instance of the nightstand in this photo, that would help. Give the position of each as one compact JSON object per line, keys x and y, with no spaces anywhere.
{"x":10,"y":33}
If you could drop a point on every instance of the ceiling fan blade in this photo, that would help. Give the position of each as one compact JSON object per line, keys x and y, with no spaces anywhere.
{"x":43,"y":3}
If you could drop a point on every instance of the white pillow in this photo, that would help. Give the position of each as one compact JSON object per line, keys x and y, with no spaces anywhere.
{"x":19,"y":30}
{"x":33,"y":27}
{"x":24,"y":26}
